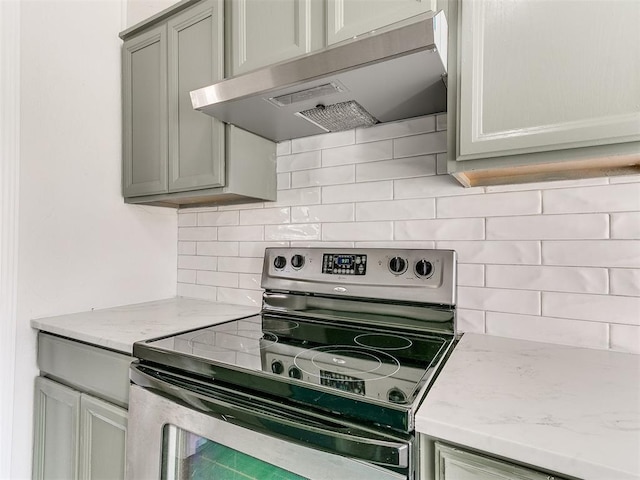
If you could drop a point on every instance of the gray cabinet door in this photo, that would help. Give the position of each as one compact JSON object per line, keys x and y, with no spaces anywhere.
{"x":102,"y":439}
{"x":56,"y":420}
{"x":455,"y":464}
{"x":348,"y":18}
{"x":144,"y":90}
{"x":195,"y":59}
{"x":263,"y":32}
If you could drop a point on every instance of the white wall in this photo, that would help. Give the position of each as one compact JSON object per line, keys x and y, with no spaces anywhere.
{"x":80,"y":246}
{"x":556,"y":261}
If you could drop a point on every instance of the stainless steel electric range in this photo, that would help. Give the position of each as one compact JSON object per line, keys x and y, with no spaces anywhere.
{"x":323,"y":383}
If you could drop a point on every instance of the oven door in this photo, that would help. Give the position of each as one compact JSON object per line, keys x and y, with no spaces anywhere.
{"x":182,"y":428}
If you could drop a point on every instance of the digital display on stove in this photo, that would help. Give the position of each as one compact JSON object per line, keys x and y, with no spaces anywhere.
{"x":344,"y":264}
{"x":342,"y":382}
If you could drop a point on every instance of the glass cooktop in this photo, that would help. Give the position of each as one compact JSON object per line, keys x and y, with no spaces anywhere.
{"x":350,"y":361}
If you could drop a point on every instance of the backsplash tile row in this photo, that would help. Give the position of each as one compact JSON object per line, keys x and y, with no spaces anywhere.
{"x":549,"y":261}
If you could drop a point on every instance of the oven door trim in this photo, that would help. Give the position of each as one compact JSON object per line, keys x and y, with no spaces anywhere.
{"x":155,"y":403}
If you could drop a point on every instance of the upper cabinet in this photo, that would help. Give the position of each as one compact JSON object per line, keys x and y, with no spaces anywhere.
{"x":172,"y":154}
{"x":349,"y":18}
{"x":259,"y":33}
{"x":540,"y":89}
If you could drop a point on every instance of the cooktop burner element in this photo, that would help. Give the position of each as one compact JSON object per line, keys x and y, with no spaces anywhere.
{"x":365,"y":342}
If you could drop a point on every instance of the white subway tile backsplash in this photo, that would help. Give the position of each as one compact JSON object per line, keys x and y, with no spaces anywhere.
{"x":424,"y":144}
{"x":433,"y":186}
{"x":366,"y":152}
{"x":306,"y":231}
{"x":592,"y":253}
{"x":193,"y":290}
{"x":195,"y":234}
{"x":323,"y":176}
{"x":392,"y":130}
{"x":187,"y":220}
{"x":395,"y":244}
{"x":625,"y":281}
{"x":606,"y":198}
{"x":239,"y":296}
{"x":497,"y":252}
{"x":265,"y":216}
{"x":547,"y":278}
{"x":448,"y":229}
{"x":357,"y":231}
{"x":554,"y":261}
{"x":361,"y":192}
{"x":625,"y":225}
{"x":191,"y":262}
{"x":283,"y":148}
{"x":249,"y":281}
{"x":298,"y":196}
{"x":216,"y":219}
{"x":240,"y":265}
{"x":327,"y":140}
{"x":283,"y":181}
{"x":471,"y":321}
{"x":470,"y":275}
{"x":241,"y":233}
{"x":408,"y":167}
{"x":549,"y":227}
{"x":598,"y":308}
{"x":625,"y":338}
{"x":218,"y":279}
{"x":186,"y":276}
{"x":186,"y":248}
{"x":217,"y":249}
{"x":256,"y":249}
{"x":499,"y":300}
{"x":545,"y":329}
{"x":396,"y":210}
{"x":300,"y":161}
{"x":489,"y":205}
{"x":323,"y":213}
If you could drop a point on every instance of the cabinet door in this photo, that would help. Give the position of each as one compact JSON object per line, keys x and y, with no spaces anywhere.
{"x":102,"y":440}
{"x":144,"y":91}
{"x":263,"y":32}
{"x":195,"y":60}
{"x":348,"y":18}
{"x":57,"y":415}
{"x":538,"y":76}
{"x":455,"y":464}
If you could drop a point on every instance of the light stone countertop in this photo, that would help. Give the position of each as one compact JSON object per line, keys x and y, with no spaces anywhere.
{"x":119,"y":327}
{"x":575,"y":411}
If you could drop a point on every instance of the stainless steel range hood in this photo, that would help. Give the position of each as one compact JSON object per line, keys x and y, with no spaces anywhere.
{"x":382,"y":76}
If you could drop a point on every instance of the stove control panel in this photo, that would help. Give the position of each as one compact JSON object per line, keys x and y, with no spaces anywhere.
{"x":383,"y":273}
{"x":344,"y":264}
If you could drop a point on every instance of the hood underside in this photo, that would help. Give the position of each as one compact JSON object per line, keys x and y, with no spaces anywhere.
{"x":383,"y":76}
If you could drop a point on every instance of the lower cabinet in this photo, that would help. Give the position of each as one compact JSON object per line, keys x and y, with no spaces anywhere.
{"x":452,"y":463}
{"x":76,"y":435}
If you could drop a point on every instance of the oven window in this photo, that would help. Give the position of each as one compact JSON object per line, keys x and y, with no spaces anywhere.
{"x":188,"y":456}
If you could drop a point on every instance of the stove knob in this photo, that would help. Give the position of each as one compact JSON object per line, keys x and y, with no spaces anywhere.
{"x":279,"y":262}
{"x":397,"y":265}
{"x":396,"y":395}
{"x":424,"y":268}
{"x":277,"y":367}
{"x":294,"y":372}
{"x":297,"y":261}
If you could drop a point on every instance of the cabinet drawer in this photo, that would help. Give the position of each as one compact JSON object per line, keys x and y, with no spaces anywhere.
{"x":91,"y":369}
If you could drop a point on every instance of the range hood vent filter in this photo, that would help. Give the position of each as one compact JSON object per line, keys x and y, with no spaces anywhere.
{"x":339,"y":116}
{"x":308,"y":94}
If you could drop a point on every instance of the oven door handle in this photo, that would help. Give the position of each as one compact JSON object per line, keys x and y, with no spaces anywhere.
{"x":272,"y":418}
